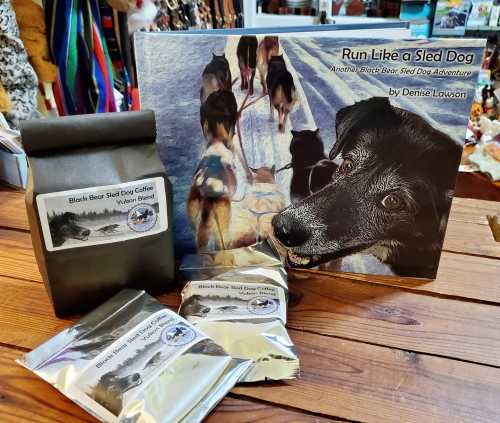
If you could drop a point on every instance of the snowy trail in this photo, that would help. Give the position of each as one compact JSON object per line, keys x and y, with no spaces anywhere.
{"x":263,"y":144}
{"x":169,"y":74}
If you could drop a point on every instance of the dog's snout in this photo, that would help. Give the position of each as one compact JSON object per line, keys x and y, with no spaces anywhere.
{"x":86,"y":232}
{"x":288,"y":231}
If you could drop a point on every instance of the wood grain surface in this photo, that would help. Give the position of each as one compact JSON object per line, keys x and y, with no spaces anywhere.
{"x":12,"y":209}
{"x":325,"y":305}
{"x":45,"y":404}
{"x":370,"y":383}
{"x":473,"y":211}
{"x":372,"y":349}
{"x":459,"y":275}
{"x":471,"y":238}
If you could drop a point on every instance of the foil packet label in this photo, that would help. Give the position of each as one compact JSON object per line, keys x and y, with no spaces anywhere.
{"x":102,"y":215}
{"x":123,"y":370}
{"x":222,"y":300}
{"x":239,"y":298}
{"x":133,"y":360}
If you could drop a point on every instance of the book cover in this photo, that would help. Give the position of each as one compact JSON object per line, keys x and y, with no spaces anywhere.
{"x":450,"y":17}
{"x":480,"y":13}
{"x":344,"y":151}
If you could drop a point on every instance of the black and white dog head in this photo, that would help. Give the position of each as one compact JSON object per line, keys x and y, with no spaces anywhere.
{"x":65,"y":226}
{"x":390,"y":196}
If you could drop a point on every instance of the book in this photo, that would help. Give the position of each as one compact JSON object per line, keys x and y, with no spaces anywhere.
{"x":344,"y":151}
{"x":480,"y":13}
{"x":450,"y":17}
{"x":494,"y":15}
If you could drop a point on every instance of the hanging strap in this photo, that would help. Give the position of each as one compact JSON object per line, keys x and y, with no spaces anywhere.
{"x":72,"y":52}
{"x":108,"y":68}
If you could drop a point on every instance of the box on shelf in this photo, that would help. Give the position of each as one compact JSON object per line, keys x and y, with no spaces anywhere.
{"x":13,"y":168}
{"x":13,"y":163}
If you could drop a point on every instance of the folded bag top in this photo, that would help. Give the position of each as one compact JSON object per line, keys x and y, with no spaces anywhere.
{"x":99,"y":207}
{"x":43,"y":135}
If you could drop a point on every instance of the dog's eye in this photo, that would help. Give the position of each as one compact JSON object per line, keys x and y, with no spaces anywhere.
{"x":392,"y":202}
{"x":346,"y":166}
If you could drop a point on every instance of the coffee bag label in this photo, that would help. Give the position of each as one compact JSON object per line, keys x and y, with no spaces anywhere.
{"x":102,"y":215}
{"x":125,"y":368}
{"x":222,"y":300}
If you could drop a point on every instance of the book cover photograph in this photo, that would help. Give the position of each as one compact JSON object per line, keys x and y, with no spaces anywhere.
{"x":451,"y":17}
{"x":344,"y":151}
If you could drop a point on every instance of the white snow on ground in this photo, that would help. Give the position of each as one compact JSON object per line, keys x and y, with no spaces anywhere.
{"x":264,"y":145}
{"x":169,"y":73}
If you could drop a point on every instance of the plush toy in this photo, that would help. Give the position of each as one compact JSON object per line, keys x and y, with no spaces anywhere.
{"x":490,"y":108}
{"x":122,"y":5}
{"x":141,"y":16}
{"x":31,"y":21}
{"x":476,"y":111}
{"x":487,"y":92}
{"x":489,"y":128}
{"x":16,"y":74}
{"x":5,"y":104}
{"x":485,"y":158}
{"x":493,"y":149}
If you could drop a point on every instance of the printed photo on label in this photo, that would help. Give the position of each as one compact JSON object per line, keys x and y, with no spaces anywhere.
{"x":129,"y":365}
{"x":101,"y":215}
{"x":221,"y":300}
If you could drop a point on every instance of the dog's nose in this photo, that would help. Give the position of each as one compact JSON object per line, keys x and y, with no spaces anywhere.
{"x":289,"y":232}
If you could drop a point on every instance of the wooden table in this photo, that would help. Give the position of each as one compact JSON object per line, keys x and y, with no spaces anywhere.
{"x":372,"y":349}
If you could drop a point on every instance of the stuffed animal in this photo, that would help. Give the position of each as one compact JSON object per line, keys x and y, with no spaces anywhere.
{"x":5,"y":104}
{"x":485,"y":158}
{"x":489,"y":108}
{"x":489,"y":128}
{"x":476,"y":111}
{"x":31,"y":20}
{"x":14,"y":68}
{"x":122,"y":5}
{"x":141,"y":16}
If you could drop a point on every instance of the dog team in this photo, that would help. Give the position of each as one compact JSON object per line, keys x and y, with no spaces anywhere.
{"x":380,"y":191}
{"x":214,"y":181}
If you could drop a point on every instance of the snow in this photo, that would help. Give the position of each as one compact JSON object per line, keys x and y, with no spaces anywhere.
{"x":170,"y":68}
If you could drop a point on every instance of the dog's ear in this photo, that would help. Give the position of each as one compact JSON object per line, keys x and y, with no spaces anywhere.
{"x":316,"y":132}
{"x":363,"y":115}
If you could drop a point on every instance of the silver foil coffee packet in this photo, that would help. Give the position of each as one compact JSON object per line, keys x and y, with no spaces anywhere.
{"x":133,"y":360}
{"x":239,"y":298}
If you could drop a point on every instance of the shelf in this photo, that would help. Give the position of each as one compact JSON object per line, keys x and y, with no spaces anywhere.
{"x":484,"y":28}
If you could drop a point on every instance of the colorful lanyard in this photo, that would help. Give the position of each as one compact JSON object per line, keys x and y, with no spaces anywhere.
{"x":77,"y":47}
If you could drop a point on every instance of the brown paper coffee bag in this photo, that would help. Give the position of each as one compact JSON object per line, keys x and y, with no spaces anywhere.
{"x":99,"y":206}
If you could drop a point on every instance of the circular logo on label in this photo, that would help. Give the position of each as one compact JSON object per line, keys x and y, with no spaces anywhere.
{"x":141,"y":218}
{"x":262,"y":305}
{"x":177,"y":334}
